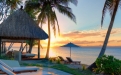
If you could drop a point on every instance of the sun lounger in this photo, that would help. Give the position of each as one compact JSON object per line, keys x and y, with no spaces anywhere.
{"x":14,"y":66}
{"x":28,"y":55}
{"x":73,"y":62}
{"x":4,"y":70}
{"x":62,"y":60}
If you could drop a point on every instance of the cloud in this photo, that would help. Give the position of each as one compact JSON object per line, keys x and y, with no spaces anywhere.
{"x":119,"y":41}
{"x":90,"y":33}
{"x":88,"y":38}
{"x":80,"y":34}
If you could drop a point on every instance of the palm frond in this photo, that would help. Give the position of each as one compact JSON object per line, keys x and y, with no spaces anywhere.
{"x":42,"y":17}
{"x":68,"y":1}
{"x":13,"y":3}
{"x":57,"y":22}
{"x":66,"y":11}
{"x":109,"y":5}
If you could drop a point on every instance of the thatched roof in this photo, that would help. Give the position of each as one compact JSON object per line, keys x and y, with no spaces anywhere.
{"x":20,"y":26}
{"x":14,"y":41}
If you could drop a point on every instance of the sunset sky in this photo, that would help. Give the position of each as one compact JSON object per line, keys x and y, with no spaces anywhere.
{"x":87,"y":29}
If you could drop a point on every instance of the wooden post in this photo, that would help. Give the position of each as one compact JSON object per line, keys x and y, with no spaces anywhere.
{"x":0,"y":46}
{"x":26,"y":48}
{"x":21,"y":47}
{"x":5,"y":47}
{"x":38,"y":49}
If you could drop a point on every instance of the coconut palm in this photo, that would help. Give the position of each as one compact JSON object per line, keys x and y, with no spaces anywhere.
{"x":48,"y":14}
{"x":32,"y":8}
{"x":7,"y":7}
{"x":112,"y":6}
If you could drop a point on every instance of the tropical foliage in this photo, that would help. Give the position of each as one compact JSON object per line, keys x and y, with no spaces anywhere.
{"x":31,"y":43}
{"x":32,"y":8}
{"x":108,"y":65}
{"x":7,"y":7}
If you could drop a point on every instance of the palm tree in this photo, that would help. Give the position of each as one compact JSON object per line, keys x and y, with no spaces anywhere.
{"x":32,"y":8}
{"x":31,"y":43}
{"x":7,"y":7}
{"x":112,"y":6}
{"x":48,"y":14}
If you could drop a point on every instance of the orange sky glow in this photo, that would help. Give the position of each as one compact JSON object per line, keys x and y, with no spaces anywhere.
{"x":87,"y":30}
{"x":86,"y":38}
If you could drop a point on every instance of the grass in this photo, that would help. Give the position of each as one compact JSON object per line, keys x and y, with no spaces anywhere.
{"x":62,"y":68}
{"x":72,"y":71}
{"x":27,"y":64}
{"x":6,"y":57}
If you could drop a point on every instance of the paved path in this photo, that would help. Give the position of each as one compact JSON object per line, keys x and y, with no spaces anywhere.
{"x":46,"y":71}
{"x":43,"y":70}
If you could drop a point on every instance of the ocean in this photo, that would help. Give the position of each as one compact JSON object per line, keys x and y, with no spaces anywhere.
{"x":87,"y":55}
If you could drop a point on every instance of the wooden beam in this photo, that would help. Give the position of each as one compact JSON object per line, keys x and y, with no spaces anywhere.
{"x":38,"y":49}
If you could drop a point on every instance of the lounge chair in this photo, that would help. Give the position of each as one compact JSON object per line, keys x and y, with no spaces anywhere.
{"x":73,"y":62}
{"x":4,"y":70}
{"x":14,"y":66}
{"x":62,"y":60}
{"x":26,"y":55}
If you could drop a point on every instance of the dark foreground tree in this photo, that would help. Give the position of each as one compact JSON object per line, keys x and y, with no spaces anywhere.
{"x":7,"y":7}
{"x":112,"y":6}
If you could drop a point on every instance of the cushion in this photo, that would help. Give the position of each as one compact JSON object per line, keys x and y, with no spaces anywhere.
{"x":20,"y":69}
{"x":29,"y":54}
{"x":6,"y":70}
{"x":10,"y":63}
{"x":5,"y":65}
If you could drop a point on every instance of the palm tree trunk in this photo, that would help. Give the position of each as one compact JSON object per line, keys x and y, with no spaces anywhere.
{"x":107,"y":36}
{"x":109,"y":31}
{"x":30,"y":46}
{"x":48,"y":47}
{"x":23,"y":48}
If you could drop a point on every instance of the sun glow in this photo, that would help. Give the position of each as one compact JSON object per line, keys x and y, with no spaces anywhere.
{"x":53,"y":41}
{"x":52,"y":53}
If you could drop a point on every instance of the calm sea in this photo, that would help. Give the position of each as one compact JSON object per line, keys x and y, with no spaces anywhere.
{"x":86,"y":55}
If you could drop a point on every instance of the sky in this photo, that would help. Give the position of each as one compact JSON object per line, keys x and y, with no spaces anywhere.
{"x":87,"y":30}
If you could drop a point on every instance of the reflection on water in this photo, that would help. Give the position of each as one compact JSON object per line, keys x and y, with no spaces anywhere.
{"x":86,"y":55}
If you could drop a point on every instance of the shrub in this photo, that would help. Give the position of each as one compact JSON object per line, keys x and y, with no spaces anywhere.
{"x":6,"y":57}
{"x":83,"y":67}
{"x":108,"y":65}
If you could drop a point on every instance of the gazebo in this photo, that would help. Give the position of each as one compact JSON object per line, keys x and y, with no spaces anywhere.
{"x":19,"y":26}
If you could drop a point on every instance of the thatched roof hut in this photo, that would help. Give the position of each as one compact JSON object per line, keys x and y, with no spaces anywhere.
{"x":13,"y":41}
{"x":20,"y":26}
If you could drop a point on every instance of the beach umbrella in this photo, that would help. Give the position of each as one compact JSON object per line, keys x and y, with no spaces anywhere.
{"x":70,"y":45}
